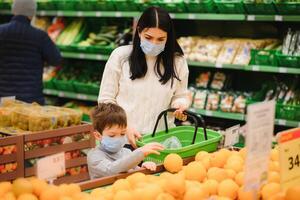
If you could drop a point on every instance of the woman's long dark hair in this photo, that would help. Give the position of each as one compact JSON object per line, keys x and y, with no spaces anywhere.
{"x":137,"y":59}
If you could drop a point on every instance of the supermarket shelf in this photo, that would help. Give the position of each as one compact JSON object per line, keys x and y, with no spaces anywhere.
{"x":257,"y":68}
{"x":191,"y":16}
{"x":219,"y":114}
{"x":87,"y":56}
{"x":241,"y":117}
{"x":288,"y":123}
{"x":71,"y":95}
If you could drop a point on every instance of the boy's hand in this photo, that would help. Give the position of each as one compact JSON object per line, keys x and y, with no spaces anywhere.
{"x":149,"y":165}
{"x":152,"y":148}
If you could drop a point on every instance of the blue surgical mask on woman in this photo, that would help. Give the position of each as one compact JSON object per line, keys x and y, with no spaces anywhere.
{"x":151,"y":49}
{"x":113,"y":144}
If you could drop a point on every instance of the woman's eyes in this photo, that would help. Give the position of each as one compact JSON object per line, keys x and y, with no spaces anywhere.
{"x":111,"y":136}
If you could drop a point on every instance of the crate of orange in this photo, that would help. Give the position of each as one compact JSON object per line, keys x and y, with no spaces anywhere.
{"x":74,"y":141}
{"x":192,"y":139}
{"x":11,"y":162}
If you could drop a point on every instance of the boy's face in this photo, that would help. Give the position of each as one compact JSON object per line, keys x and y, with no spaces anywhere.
{"x":114,"y":131}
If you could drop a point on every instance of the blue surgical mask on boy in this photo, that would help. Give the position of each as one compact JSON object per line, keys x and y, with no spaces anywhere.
{"x":113,"y":144}
{"x":152,"y":49}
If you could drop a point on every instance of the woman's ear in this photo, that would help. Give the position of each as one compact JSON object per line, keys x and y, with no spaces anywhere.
{"x":97,"y":135}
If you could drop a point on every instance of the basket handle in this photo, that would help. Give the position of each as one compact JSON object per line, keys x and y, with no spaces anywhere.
{"x":196,"y":118}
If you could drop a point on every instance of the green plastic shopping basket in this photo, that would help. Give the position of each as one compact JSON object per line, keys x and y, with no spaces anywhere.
{"x":192,"y":138}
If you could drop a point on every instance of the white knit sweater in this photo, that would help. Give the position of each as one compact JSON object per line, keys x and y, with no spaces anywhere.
{"x":142,"y":99}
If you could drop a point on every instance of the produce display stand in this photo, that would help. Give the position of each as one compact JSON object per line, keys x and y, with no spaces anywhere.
{"x":105,"y":181}
{"x":64,"y":147}
{"x":17,"y":150}
{"x":15,"y":157}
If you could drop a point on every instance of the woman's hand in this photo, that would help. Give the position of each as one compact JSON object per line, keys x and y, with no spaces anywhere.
{"x":132,"y":136}
{"x":179,"y":112}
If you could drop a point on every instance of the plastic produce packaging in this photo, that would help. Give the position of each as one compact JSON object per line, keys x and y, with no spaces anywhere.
{"x":172,"y":143}
{"x":203,"y":79}
{"x":5,"y":116}
{"x":200,"y":99}
{"x":213,"y":101}
{"x":226,"y":102}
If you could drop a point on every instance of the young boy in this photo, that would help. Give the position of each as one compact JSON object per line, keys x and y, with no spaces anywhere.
{"x":110,"y":157}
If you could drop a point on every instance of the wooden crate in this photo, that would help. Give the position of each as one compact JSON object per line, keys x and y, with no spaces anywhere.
{"x":105,"y":181}
{"x":12,"y":157}
{"x":65,"y":147}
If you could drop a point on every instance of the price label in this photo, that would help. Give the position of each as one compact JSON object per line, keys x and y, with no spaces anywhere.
{"x":283,"y":70}
{"x":172,"y":15}
{"x":81,"y":96}
{"x":208,"y":113}
{"x":232,"y":136}
{"x":118,"y":14}
{"x":99,"y":57}
{"x":42,"y":13}
{"x":255,"y":68}
{"x":219,"y":65}
{"x":79,"y":14}
{"x":98,"y":14}
{"x":51,"y":167}
{"x":282,"y":122}
{"x":259,"y":133}
{"x":60,"y":13}
{"x":289,"y":157}
{"x":278,"y":18}
{"x":61,"y":94}
{"x":191,"y":16}
{"x":251,"y":17}
{"x":81,"y":56}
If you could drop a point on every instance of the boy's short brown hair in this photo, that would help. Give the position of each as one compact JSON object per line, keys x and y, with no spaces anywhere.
{"x":106,"y":115}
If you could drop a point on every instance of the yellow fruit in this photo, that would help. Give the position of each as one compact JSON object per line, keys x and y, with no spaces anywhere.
{"x":9,"y":196}
{"x":274,"y":177}
{"x":279,"y":196}
{"x":195,"y":171}
{"x":21,"y":186}
{"x":165,"y":175}
{"x":195,"y":193}
{"x":239,"y":178}
{"x":67,"y":198}
{"x":269,"y":190}
{"x":121,"y":184}
{"x":96,"y":193}
{"x":243,"y":153}
{"x":274,"y":166}
{"x":231,"y":173}
{"x":226,"y":153}
{"x":217,"y":174}
{"x":235,"y":158}
{"x":175,"y":185}
{"x":123,"y":195}
{"x":136,"y":178}
{"x":165,"y":196}
{"x":51,"y":193}
{"x":228,"y":188}
{"x":173,"y":163}
{"x":293,"y":193}
{"x":243,"y":195}
{"x":212,"y":186}
{"x":27,"y":196}
{"x":274,"y":155}
{"x":149,"y":192}
{"x":38,"y":186}
{"x":235,"y":165}
{"x":206,"y":162}
{"x":69,"y":190}
{"x":5,"y":187}
{"x":217,"y":159}
{"x":200,"y":155}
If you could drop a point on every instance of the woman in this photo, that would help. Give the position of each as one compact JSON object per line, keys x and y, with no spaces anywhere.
{"x":149,"y":76}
